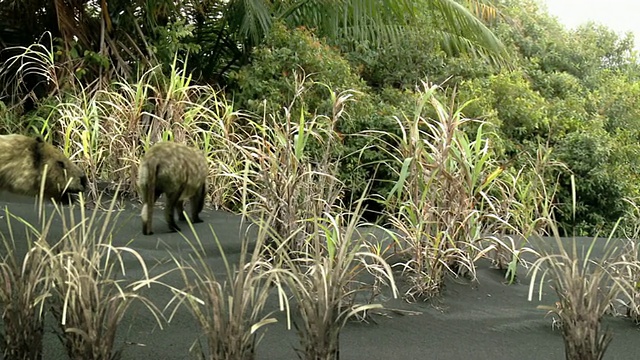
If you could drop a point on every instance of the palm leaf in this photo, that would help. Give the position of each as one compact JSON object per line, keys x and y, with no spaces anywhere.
{"x":463,"y":32}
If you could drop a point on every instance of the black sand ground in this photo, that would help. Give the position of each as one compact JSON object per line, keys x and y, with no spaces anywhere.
{"x":487,"y":320}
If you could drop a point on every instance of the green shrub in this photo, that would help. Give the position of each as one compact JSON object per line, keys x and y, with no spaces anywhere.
{"x":292,"y":57}
{"x":599,"y":188}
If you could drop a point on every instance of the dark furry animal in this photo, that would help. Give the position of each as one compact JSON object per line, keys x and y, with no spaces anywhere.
{"x":24,"y":161}
{"x":178,"y":171}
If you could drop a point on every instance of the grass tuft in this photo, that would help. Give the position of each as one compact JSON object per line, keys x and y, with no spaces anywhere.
{"x":91,"y":291}
{"x":336,"y":279}
{"x":24,"y":288}
{"x":228,"y":308}
{"x":587,"y":288}
{"x":435,"y":205}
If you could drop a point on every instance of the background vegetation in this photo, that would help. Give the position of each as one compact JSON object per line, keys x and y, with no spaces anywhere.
{"x":463,"y":128}
{"x":144,"y":63}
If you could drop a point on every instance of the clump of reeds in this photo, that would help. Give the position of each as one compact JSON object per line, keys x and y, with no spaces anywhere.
{"x":630,"y":272}
{"x":587,"y":288}
{"x":336,"y":278}
{"x":520,"y":204}
{"x":291,"y":171}
{"x":106,"y":128}
{"x":631,"y":257}
{"x":323,"y":270}
{"x":435,"y":205}
{"x":24,"y":289}
{"x":228,"y":308}
{"x":90,"y":293}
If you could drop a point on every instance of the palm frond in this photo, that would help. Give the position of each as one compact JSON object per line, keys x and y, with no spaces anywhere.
{"x":464,"y":32}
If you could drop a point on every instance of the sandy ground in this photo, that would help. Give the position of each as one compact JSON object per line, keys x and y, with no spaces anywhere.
{"x":485,"y":320}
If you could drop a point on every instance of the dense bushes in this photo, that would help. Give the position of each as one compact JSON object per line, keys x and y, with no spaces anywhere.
{"x":573,"y":91}
{"x":291,"y":60}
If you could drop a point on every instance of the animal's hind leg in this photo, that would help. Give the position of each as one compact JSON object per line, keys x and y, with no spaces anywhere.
{"x":172,"y":203}
{"x":197,"y":204}
{"x":180,"y":210}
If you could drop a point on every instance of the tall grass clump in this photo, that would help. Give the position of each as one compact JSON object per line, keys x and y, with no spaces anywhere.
{"x":291,"y":174}
{"x":436,"y":205}
{"x":335,"y":279}
{"x":631,"y":257}
{"x":228,"y":307}
{"x":24,"y":289}
{"x":587,"y":286}
{"x":108,"y":130}
{"x":630,"y":272}
{"x":90,"y":292}
{"x":520,"y":204}
{"x":35,"y":62}
{"x":324,"y":271}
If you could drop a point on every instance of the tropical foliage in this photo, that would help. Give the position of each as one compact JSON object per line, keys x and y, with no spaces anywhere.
{"x":534,"y":80}
{"x":458,"y":129}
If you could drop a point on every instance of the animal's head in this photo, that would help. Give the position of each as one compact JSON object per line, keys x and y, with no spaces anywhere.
{"x":63,"y":178}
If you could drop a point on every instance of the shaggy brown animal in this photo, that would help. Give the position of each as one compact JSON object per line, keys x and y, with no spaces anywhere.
{"x":25,"y":160}
{"x":179,"y":172}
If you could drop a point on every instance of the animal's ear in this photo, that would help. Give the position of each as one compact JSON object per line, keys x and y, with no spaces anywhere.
{"x":38,"y":152}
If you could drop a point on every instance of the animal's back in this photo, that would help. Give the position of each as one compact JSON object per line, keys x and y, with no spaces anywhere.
{"x":16,"y":163}
{"x":177,"y":167}
{"x":15,"y":144}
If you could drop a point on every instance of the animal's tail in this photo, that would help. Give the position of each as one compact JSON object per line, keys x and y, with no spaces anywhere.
{"x":150,"y":195}
{"x":147,"y":187}
{"x":147,"y":174}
